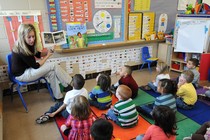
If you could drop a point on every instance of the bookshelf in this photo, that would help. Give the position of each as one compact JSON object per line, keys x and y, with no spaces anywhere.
{"x":179,"y":60}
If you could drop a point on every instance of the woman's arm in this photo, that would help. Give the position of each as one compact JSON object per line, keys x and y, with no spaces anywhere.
{"x":42,"y":61}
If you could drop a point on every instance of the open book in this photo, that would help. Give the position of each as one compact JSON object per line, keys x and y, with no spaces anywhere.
{"x":50,"y":39}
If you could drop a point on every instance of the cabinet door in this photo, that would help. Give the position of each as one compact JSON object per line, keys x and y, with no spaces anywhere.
{"x":164,"y":53}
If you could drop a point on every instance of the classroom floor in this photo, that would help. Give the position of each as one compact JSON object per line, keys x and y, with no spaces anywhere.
{"x":19,"y":125}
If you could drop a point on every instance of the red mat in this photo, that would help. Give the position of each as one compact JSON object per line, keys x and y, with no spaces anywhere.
{"x":98,"y":112}
{"x":130,"y":133}
{"x":60,"y":121}
{"x":121,"y":133}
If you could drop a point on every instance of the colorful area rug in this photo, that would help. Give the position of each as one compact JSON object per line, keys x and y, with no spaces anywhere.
{"x":188,"y":121}
{"x":201,"y":108}
{"x":121,"y":133}
{"x":60,"y":121}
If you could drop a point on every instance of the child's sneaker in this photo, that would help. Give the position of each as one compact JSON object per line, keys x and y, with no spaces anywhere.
{"x":113,"y":89}
{"x":187,"y":138}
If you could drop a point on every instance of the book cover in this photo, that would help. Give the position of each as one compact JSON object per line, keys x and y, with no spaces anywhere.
{"x":50,"y":39}
{"x":77,"y":34}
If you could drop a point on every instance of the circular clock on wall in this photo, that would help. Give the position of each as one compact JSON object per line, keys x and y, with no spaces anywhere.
{"x":102,"y":21}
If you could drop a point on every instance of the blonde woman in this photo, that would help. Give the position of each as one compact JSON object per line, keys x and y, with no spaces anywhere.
{"x":26,"y":68}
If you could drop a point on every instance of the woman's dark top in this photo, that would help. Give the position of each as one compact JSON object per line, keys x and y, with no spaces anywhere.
{"x":21,"y":62}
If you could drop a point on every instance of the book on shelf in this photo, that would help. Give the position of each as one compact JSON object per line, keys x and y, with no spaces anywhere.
{"x":51,"y":39}
{"x":76,"y":34}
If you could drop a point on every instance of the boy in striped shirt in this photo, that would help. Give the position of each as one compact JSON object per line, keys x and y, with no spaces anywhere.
{"x":124,"y":111}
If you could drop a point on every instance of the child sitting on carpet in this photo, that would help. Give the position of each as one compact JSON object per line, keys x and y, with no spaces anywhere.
{"x":78,"y":124}
{"x":203,"y":133}
{"x":191,"y":65}
{"x":119,"y":113}
{"x":164,"y":127}
{"x":162,"y":70}
{"x":100,"y":96}
{"x":64,"y":108}
{"x":126,"y":79}
{"x":186,"y":93}
{"x":168,"y":89}
{"x":101,"y":130}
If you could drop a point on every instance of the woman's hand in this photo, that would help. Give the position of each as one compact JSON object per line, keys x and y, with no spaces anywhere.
{"x":49,"y":53}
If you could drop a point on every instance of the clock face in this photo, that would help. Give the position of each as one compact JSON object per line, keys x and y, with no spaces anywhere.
{"x":102,"y":21}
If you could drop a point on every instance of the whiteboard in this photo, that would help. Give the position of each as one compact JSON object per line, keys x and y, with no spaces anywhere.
{"x":191,"y":34}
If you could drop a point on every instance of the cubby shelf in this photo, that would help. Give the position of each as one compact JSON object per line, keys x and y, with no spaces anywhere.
{"x":179,"y":60}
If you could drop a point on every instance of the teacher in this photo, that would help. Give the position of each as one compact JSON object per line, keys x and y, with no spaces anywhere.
{"x":24,"y":65}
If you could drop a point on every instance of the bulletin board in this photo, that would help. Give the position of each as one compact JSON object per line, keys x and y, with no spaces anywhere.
{"x":104,"y":19}
{"x":192,"y":33}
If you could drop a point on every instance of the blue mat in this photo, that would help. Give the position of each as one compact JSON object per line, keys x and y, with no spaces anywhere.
{"x":201,"y":118}
{"x":199,"y":107}
{"x":200,"y":113}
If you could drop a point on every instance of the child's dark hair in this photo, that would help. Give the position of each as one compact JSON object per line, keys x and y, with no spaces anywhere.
{"x":168,"y":86}
{"x":78,"y":81}
{"x":101,"y":130}
{"x":194,"y":61}
{"x":104,"y":81}
{"x":128,"y":69}
{"x":80,"y":108}
{"x":165,"y":118}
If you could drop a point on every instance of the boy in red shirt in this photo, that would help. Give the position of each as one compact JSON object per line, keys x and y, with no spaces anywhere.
{"x":126,"y":79}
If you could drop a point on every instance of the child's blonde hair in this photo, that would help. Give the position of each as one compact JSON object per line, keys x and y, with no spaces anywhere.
{"x":124,"y":91}
{"x":80,"y":108}
{"x":188,"y":75}
{"x":128,"y":69}
{"x":162,"y":66}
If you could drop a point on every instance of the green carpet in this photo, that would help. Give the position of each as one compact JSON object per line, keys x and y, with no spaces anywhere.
{"x":185,"y":125}
{"x":179,"y":117}
{"x":186,"y":128}
{"x":143,"y":98}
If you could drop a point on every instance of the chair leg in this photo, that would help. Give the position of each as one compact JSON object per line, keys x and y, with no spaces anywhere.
{"x":149,"y":68}
{"x":49,"y":89}
{"x":11,"y":91}
{"x":142,"y":65}
{"x":21,"y":97}
{"x":38,"y":85}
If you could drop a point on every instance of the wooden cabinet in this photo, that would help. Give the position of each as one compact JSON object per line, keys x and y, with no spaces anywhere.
{"x":164,"y":52}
